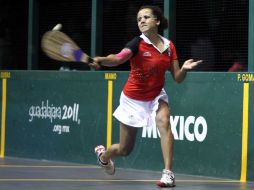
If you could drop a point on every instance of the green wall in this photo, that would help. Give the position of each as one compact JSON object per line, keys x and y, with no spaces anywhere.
{"x":251,"y":135}
{"x":63,"y":115}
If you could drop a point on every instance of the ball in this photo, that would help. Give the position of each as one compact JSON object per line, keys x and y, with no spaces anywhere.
{"x":57,"y":27}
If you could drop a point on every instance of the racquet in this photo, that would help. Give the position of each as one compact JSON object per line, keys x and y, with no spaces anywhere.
{"x":59,"y":46}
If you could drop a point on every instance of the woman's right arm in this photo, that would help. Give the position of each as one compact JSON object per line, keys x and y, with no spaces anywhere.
{"x":113,"y":60}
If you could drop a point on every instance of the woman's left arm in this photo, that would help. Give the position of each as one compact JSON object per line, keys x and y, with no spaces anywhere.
{"x":180,"y":73}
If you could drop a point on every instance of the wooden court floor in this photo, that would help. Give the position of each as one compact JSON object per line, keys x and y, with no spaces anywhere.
{"x":23,"y":174}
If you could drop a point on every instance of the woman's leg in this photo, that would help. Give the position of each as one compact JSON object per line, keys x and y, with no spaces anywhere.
{"x":124,"y":147}
{"x":167,"y":139}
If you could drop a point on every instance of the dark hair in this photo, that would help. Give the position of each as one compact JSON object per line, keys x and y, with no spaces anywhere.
{"x":159,"y":15}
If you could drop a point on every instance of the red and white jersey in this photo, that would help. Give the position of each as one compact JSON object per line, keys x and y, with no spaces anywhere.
{"x":148,"y":67}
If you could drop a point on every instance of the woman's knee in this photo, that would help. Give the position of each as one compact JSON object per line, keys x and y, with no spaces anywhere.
{"x":163,"y":114}
{"x":163,"y":124}
{"x":127,"y":139}
{"x":162,"y":120}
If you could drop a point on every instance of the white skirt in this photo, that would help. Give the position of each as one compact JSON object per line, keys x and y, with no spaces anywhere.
{"x":137,"y":113}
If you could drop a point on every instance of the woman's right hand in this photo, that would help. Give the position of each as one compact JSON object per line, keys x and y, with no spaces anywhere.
{"x":95,"y":64}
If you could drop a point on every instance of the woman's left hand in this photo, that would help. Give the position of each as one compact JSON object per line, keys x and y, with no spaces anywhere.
{"x":190,"y":64}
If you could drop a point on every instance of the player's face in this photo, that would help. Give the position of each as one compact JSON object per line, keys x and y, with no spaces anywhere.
{"x":147,"y":22}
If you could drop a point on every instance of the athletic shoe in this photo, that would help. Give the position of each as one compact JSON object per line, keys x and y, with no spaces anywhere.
{"x":109,"y":167}
{"x":167,"y":179}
